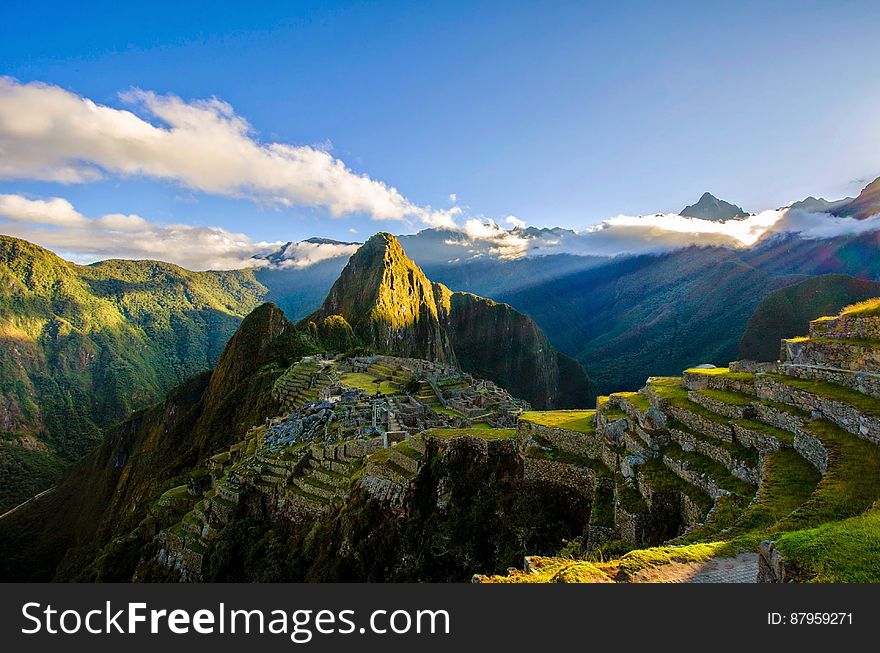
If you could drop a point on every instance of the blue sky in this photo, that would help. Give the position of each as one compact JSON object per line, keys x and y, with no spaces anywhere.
{"x":557,"y":113}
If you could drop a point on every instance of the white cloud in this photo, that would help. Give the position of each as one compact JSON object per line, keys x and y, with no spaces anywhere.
{"x":453,"y":197}
{"x":648,"y":234}
{"x":303,"y":254}
{"x":57,"y":212}
{"x":515,"y":222}
{"x":56,"y":224}
{"x":48,"y":133}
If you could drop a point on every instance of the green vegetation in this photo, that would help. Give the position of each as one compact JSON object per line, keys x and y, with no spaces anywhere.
{"x":24,"y":473}
{"x":836,"y":552}
{"x":662,"y":479}
{"x":581,"y":421}
{"x":81,"y":347}
{"x":782,"y":435}
{"x":482,"y":433}
{"x":367,"y":382}
{"x":709,"y":371}
{"x":727,"y":397}
{"x":637,"y":399}
{"x":787,"y":312}
{"x":868,"y":308}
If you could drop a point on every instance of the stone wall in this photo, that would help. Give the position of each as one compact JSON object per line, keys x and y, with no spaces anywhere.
{"x":812,"y":449}
{"x":574,"y":477}
{"x":589,"y":445}
{"x":846,"y":326}
{"x":701,"y":424}
{"x":771,"y":564}
{"x":867,"y":384}
{"x":844,"y":415}
{"x":841,"y":355}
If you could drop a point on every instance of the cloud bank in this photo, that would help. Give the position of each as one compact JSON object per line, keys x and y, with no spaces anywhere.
{"x":651,"y":234}
{"x":50,"y":134}
{"x":305,"y":253}
{"x":56,"y":224}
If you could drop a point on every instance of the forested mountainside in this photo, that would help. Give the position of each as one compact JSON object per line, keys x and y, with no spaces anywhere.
{"x":81,"y":347}
{"x":787,"y":312}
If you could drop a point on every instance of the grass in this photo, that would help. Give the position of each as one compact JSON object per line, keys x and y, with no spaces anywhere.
{"x":737,"y":451}
{"x":443,"y":410}
{"x":629,"y":498}
{"x":780,"y":434}
{"x":711,"y":468}
{"x":789,"y":482}
{"x":784,"y":408}
{"x":580,"y":421}
{"x":407,"y":450}
{"x":671,"y":390}
{"x":850,"y":484}
{"x":482,"y":433}
{"x":727,"y":397}
{"x":722,"y":371}
{"x":638,"y":400}
{"x":863,"y":403}
{"x":847,"y":551}
{"x":555,"y":570}
{"x":869,"y":308}
{"x":661,"y":479}
{"x":367,"y":383}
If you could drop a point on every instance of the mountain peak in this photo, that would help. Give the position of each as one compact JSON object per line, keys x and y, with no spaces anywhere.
{"x":388,"y":301}
{"x":865,"y":205}
{"x":710,"y":207}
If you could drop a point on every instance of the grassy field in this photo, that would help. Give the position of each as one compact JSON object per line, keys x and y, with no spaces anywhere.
{"x":367,"y":383}
{"x":581,"y":421}
{"x":483,"y":433}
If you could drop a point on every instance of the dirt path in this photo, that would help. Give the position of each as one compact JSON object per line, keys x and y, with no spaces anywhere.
{"x":24,"y":503}
{"x":741,"y":569}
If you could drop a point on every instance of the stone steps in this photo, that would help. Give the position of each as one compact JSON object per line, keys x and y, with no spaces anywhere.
{"x":399,"y":456}
{"x":705,"y":473}
{"x":313,"y":486}
{"x":657,"y":482}
{"x":313,"y":502}
{"x":330,"y":478}
{"x":737,"y":459}
{"x":700,"y":419}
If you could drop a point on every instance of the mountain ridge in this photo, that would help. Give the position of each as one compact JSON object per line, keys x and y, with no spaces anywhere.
{"x":709,"y":207}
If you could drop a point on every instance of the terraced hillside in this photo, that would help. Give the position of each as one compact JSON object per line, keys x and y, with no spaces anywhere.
{"x":767,"y":470}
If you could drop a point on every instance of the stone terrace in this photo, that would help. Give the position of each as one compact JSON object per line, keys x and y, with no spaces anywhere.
{"x":728,"y":456}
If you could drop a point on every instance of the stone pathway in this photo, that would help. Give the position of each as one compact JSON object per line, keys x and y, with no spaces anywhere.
{"x":741,"y":569}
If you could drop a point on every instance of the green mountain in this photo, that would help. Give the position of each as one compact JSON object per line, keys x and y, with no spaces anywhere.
{"x":116,"y":488}
{"x":394,"y":309}
{"x":710,"y":207}
{"x":671,"y":311}
{"x":83,"y":346}
{"x":389,"y":302}
{"x":787,"y":312}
